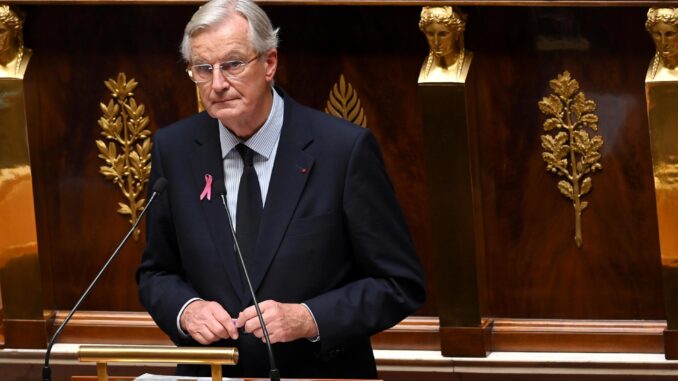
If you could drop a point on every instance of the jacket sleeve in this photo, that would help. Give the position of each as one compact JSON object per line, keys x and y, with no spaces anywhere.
{"x":390,"y":283}
{"x":163,"y":289}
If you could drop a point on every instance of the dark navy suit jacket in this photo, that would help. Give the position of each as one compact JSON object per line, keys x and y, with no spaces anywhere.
{"x":332,"y":236}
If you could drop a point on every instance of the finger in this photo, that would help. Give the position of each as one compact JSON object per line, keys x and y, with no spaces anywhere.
{"x":246,"y":315}
{"x":197,"y":336}
{"x":213,"y":329}
{"x":226,"y":327}
{"x":268,"y":313}
{"x":252,"y":325}
{"x":258,"y":333}
{"x":273,"y":337}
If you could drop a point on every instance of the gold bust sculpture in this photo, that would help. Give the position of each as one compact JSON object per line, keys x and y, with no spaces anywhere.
{"x":13,"y":56}
{"x":662,"y":24}
{"x":447,"y":60}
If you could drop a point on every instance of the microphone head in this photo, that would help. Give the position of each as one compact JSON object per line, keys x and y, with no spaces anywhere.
{"x":159,"y":185}
{"x":219,"y":187}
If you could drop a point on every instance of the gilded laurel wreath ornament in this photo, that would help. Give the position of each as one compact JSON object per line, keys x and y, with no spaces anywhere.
{"x":569,"y":150}
{"x":344,"y":103}
{"x":126,"y":148}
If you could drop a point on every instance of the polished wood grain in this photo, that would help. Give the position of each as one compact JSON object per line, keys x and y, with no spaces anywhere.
{"x":78,"y":226}
{"x":415,"y":333}
{"x":533,"y":268}
{"x":520,"y":3}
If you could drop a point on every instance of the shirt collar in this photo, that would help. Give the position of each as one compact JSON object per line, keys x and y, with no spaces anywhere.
{"x":263,"y":141}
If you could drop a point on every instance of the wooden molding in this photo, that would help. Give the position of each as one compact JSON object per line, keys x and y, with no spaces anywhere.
{"x":671,"y":344}
{"x":25,"y":334}
{"x":467,"y":341}
{"x":415,"y":333}
{"x":578,"y":336}
{"x":520,"y":3}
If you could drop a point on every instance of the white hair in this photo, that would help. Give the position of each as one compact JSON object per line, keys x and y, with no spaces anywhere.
{"x":261,"y":33}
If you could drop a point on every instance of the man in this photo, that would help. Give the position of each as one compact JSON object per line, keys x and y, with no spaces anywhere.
{"x":327,"y":248}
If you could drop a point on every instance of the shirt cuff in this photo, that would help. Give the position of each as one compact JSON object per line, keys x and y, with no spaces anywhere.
{"x":183,"y":334}
{"x":317,"y":338}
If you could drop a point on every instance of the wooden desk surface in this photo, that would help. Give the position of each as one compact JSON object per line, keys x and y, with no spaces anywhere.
{"x":128,"y":378}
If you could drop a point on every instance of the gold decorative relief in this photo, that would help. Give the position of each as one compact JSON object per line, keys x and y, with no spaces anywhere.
{"x":344,"y":103}
{"x":569,"y":150}
{"x":14,"y":55}
{"x":126,"y":148}
{"x":662,"y":24}
{"x":447,"y":60}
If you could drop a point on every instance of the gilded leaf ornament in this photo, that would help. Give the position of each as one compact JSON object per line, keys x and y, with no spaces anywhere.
{"x":569,"y":150}
{"x":126,"y":147}
{"x":344,"y":103}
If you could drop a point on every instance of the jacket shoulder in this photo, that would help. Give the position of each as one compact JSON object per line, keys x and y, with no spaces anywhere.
{"x":184,"y":129}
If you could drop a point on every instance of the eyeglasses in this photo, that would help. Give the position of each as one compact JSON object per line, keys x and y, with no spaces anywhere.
{"x":229,"y":69}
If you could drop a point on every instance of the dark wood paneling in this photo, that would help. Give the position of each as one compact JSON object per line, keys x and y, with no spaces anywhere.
{"x":75,"y":50}
{"x":78,"y":226}
{"x":24,"y":333}
{"x":577,"y":336}
{"x":534,"y":269}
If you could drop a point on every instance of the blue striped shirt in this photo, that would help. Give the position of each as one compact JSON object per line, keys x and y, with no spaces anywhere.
{"x":265,"y":145}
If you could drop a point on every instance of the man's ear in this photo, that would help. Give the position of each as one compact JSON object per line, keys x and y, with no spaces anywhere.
{"x":271,"y":64}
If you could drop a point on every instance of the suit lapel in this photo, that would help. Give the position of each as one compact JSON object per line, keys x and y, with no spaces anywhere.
{"x":290,"y":172}
{"x":207,"y":159}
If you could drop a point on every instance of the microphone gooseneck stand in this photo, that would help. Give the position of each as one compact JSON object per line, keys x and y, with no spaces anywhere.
{"x":158,"y":187}
{"x":275,"y":374}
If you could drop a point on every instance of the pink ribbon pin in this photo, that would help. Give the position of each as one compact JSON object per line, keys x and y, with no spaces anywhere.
{"x":207,"y":192}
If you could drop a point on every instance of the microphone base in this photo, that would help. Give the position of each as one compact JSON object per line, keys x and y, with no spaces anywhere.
{"x":275,"y":375}
{"x":47,"y":373}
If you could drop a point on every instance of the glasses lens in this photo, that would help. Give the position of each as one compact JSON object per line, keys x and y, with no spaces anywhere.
{"x":232,"y":68}
{"x":201,"y":73}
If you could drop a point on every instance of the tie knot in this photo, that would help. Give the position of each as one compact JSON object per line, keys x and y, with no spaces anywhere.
{"x":246,"y":153}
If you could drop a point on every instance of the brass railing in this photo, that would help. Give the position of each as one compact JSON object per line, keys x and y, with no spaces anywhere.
{"x":102,"y":355}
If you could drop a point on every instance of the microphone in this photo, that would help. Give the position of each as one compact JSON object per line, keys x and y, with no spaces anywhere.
{"x":220,"y":189}
{"x":158,"y":187}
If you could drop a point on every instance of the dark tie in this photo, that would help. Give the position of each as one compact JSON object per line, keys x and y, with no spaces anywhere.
{"x":249,"y":206}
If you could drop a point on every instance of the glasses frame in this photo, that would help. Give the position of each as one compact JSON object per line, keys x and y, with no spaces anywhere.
{"x":241,"y":67}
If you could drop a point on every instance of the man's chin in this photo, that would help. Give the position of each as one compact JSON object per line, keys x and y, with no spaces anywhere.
{"x":225,"y":115}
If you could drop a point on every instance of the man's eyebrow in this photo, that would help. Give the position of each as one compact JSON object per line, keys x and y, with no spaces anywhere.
{"x":234,"y":55}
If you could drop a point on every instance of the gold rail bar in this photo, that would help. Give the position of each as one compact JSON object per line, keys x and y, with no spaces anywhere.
{"x":145,"y":353}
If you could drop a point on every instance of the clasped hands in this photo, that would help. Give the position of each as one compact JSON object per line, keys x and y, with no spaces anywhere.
{"x":207,"y":322}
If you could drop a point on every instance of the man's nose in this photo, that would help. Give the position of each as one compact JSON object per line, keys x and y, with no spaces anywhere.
{"x":219,"y":82}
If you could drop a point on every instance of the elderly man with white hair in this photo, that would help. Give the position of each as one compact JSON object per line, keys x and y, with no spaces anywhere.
{"x":325,"y":243}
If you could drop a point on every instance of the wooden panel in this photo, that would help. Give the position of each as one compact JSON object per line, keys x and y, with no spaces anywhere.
{"x":467,"y":341}
{"x":77,"y":222}
{"x":75,"y":50}
{"x":534,"y":269}
{"x":24,"y":333}
{"x":414,"y":333}
{"x":577,"y":336}
{"x":530,"y":3}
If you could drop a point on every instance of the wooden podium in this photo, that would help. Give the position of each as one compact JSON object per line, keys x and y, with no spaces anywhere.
{"x":104,"y":354}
